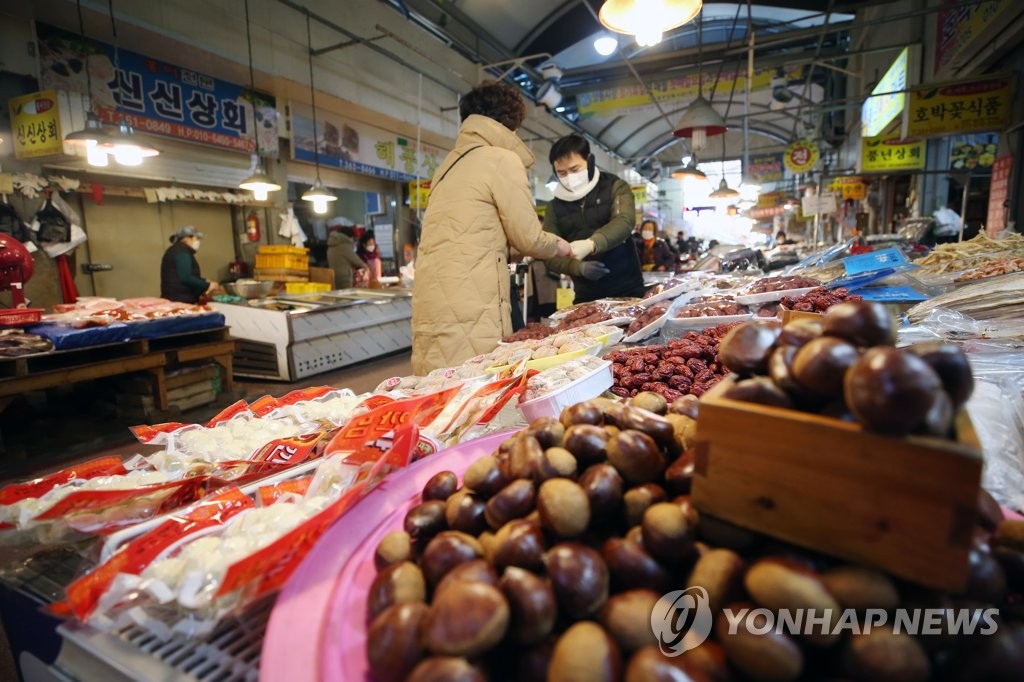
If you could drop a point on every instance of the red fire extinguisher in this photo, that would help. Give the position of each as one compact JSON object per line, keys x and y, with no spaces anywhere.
{"x":252,"y":227}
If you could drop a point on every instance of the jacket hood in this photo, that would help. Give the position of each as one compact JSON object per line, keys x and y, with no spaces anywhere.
{"x":336,"y":238}
{"x":477,"y":129}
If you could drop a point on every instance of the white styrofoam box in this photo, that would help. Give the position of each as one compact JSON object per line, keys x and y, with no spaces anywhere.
{"x":584,"y":388}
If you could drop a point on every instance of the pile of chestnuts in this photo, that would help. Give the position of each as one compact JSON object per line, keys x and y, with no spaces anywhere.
{"x":847,"y":366}
{"x":547,"y":562}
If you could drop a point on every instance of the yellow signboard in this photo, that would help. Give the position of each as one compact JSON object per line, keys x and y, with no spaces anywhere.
{"x":419,"y":193}
{"x":939,"y":109}
{"x":801,"y":156}
{"x":639,"y":195}
{"x":890,"y":153}
{"x":612,"y":101}
{"x":35,"y":125}
{"x":849,"y":188}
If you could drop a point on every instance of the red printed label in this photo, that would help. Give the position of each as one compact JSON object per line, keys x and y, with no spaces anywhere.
{"x":94,"y":500}
{"x":375,"y":401}
{"x":147,"y":434}
{"x":134,"y":557}
{"x":228,"y":413}
{"x":264,"y":406}
{"x":269,"y":494}
{"x":104,"y":466}
{"x":305,"y":394}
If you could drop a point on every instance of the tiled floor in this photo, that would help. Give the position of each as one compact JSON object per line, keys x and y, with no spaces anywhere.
{"x":73,"y":426}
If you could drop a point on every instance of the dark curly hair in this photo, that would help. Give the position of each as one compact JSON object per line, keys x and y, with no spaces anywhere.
{"x":499,"y":101}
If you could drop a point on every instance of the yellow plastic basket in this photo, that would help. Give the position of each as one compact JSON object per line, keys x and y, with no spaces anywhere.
{"x":282,"y":261}
{"x":306,"y":287}
{"x":282,"y":248}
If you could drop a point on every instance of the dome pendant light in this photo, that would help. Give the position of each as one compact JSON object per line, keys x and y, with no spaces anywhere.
{"x":317,"y":194}
{"x":89,"y":136}
{"x":689,"y":170}
{"x":724,"y":191}
{"x":700,"y":120}
{"x":647,"y":20}
{"x":259,"y":183}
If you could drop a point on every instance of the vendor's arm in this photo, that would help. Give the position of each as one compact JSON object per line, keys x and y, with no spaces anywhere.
{"x":183,"y":266}
{"x":514,"y":202}
{"x":353,"y":259}
{"x":620,"y":226}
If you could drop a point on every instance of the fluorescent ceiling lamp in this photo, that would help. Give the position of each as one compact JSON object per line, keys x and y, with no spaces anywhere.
{"x":647,"y":19}
{"x":605,"y":45}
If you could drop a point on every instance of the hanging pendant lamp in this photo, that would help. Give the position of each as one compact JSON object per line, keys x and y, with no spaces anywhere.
{"x":724,"y":191}
{"x":700,"y":120}
{"x":259,"y":183}
{"x":689,"y":170}
{"x":317,"y":194}
{"x":89,"y":136}
{"x":647,"y":20}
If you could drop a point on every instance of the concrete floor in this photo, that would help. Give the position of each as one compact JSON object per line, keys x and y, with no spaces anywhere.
{"x":71,"y":428}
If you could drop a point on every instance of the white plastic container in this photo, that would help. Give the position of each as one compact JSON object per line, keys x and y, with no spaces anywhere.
{"x":772,"y":296}
{"x":676,"y":327}
{"x":586,"y":387}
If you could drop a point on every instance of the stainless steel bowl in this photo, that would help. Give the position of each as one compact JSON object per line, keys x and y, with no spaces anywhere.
{"x":249,"y":289}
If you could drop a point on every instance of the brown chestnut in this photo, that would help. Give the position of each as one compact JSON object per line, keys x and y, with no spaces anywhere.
{"x":760,"y":390}
{"x":637,"y":500}
{"x":939,"y":419}
{"x":679,"y":474}
{"x":526,"y":458}
{"x":666,"y":535}
{"x":585,"y":653}
{"x":688,"y":406}
{"x":531,"y":603}
{"x":986,"y":580}
{"x":650,"y":665}
{"x":466,"y":619}
{"x":441,"y":486}
{"x":650,"y":401}
{"x":564,"y":507}
{"x":519,"y":543}
{"x":603,"y":486}
{"x":587,"y":443}
{"x":548,"y":431}
{"x":396,"y":584}
{"x":464,"y":511}
{"x":780,"y":369}
{"x":514,"y":501}
{"x":582,"y":413}
{"x":633,"y":568}
{"x":746,"y":347}
{"x":484,"y":477}
{"x":950,"y":362}
{"x":781,"y":584}
{"x":881,"y":654}
{"x":445,"y":551}
{"x":769,"y":656}
{"x":720,"y":573}
{"x":798,"y":332}
{"x":579,"y":577}
{"x":393,"y":641}
{"x":820,"y":364}
{"x":425,"y":520}
{"x":627,"y":617}
{"x":445,"y":669}
{"x":684,"y":429}
{"x":394,"y":547}
{"x":1010,"y":533}
{"x":558,"y":462}
{"x":637,"y":457}
{"x":891,"y":391}
{"x":856,"y":587}
{"x":862,"y":323}
{"x":474,"y":571}
{"x":655,"y":426}
{"x":990,"y":513}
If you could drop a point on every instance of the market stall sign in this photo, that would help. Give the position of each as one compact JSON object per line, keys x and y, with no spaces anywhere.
{"x":938,"y":109}
{"x":998,"y":195}
{"x":801,"y":156}
{"x":963,"y":29}
{"x":419,"y":194}
{"x":967,"y":152}
{"x":360,"y":147}
{"x":890,"y":153}
{"x":637,"y":98}
{"x":156,"y":97}
{"x":887,"y":97}
{"x":816,"y":204}
{"x":766,"y":168}
{"x":771,"y":199}
{"x":35,"y":125}
{"x":639,"y":195}
{"x":849,"y":188}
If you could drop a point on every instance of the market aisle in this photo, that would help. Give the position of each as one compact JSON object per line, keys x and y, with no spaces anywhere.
{"x":56,"y":442}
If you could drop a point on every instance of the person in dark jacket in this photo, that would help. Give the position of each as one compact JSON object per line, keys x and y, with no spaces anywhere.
{"x":595,"y":212}
{"x":367,"y":251}
{"x":342,"y":258}
{"x":655,"y":253}
{"x":179,"y":270}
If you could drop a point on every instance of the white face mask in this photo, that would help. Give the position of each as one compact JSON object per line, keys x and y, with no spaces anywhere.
{"x":195,"y":245}
{"x":647,"y":235}
{"x":370,"y":248}
{"x":575,"y":181}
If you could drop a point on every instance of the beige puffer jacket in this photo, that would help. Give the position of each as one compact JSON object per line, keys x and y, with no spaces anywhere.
{"x":460,"y":303}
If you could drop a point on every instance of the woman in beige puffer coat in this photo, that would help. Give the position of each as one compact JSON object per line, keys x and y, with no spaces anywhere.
{"x":480,"y":203}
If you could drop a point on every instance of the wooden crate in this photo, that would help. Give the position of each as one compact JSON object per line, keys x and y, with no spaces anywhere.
{"x":905,"y":505}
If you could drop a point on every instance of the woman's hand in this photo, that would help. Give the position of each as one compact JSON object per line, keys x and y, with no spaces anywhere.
{"x":564,"y":250}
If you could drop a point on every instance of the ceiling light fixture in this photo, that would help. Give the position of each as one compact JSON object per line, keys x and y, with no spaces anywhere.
{"x":93,"y":132}
{"x":700,"y":121}
{"x":259,"y":183}
{"x":647,"y":20}
{"x":689,"y":170}
{"x":605,"y":45}
{"x":317,"y":194}
{"x":724,"y":191}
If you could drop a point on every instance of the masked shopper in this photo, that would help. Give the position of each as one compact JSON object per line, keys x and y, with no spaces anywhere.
{"x":342,"y":258}
{"x":655,"y":253}
{"x":369,"y":254}
{"x":179,"y":270}
{"x":480,"y":203}
{"x":595,"y":212}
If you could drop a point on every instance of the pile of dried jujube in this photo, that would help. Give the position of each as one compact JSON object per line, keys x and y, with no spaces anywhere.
{"x":548,"y":560}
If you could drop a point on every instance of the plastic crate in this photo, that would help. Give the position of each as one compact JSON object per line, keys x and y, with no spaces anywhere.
{"x":282,"y":248}
{"x":19,"y":317}
{"x":282,"y":261}
{"x":306,"y":287}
